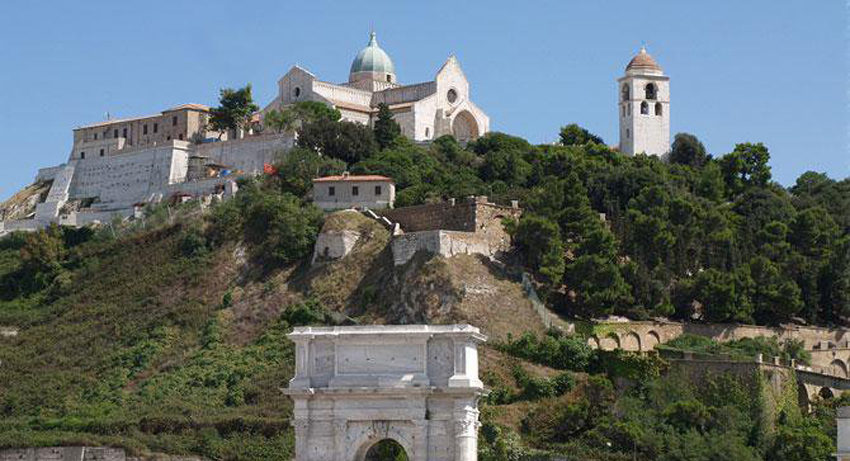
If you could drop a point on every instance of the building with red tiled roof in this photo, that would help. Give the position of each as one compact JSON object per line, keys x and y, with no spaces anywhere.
{"x":353,"y":191}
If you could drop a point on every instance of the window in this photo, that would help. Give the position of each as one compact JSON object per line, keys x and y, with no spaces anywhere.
{"x":95,"y":136}
{"x":101,"y":152}
{"x":355,"y":191}
{"x":651,"y":91}
{"x":657,"y":108}
{"x":626,"y":93}
{"x":644,"y":108}
{"x":377,"y":190}
{"x":124,"y":133}
{"x":115,"y":133}
{"x":82,"y":155}
{"x":174,"y":121}
{"x":624,"y":110}
{"x":629,"y":107}
{"x":451,"y":95}
{"x":628,"y":133}
{"x":145,"y":129}
{"x":168,"y":138}
{"x":389,"y":78}
{"x":427,"y":132}
{"x":331,"y":191}
{"x":155,"y":127}
{"x":180,"y":136}
{"x":297,"y":91}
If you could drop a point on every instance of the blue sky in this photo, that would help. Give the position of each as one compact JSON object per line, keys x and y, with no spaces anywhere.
{"x":756,"y":70}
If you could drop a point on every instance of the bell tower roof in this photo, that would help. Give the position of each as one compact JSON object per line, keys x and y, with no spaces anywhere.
{"x":643,"y":62}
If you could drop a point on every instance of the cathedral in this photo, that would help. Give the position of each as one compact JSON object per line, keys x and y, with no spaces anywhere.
{"x":425,"y":111}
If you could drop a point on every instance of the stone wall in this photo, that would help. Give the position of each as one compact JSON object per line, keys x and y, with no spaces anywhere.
{"x":334,"y":244}
{"x":470,"y":215}
{"x":79,"y":453}
{"x":829,"y":347}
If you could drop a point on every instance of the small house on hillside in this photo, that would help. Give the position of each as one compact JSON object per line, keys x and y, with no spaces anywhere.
{"x":353,"y":191}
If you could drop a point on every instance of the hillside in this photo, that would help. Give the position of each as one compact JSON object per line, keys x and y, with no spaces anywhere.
{"x":167,"y":334}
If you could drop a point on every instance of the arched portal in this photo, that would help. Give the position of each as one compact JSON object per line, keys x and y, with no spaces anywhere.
{"x":652,"y":340}
{"x":631,"y":342}
{"x":826,"y":393}
{"x":386,"y":450}
{"x":838,"y":368}
{"x":464,"y":127}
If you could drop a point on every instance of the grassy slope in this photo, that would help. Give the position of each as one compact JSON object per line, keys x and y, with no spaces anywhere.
{"x":159,"y":352}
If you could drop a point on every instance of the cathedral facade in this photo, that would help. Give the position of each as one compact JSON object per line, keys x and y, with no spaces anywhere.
{"x":425,"y":111}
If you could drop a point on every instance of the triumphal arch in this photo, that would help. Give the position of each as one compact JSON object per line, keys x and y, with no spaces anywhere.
{"x":415,"y":386}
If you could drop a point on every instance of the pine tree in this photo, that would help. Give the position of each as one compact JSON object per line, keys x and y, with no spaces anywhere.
{"x":386,"y":129}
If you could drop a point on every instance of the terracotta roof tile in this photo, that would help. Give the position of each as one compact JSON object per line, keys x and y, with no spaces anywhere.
{"x":371,"y":177}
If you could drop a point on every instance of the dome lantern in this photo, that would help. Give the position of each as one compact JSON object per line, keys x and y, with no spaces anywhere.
{"x":372,"y":63}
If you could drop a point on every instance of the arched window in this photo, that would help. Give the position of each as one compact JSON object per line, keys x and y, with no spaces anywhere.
{"x":651,"y":91}
{"x":389,"y":78}
{"x":297,"y":92}
{"x":644,"y":108}
{"x":657,"y":108}
{"x":427,"y":132}
{"x":624,"y":110}
{"x":628,"y":133}
{"x":629,"y":107}
{"x":626,"y":93}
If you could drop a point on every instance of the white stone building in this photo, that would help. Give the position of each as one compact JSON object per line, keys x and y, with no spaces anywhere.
{"x":353,"y":191}
{"x":414,"y":385}
{"x":644,"y":107}
{"x":425,"y":110}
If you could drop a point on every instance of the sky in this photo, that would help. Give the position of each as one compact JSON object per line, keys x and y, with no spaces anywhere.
{"x":740,"y":71}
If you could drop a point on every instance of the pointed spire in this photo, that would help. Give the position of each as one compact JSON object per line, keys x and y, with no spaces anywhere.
{"x":373,"y":38}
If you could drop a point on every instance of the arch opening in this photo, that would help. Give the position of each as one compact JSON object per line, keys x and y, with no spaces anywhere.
{"x":658,"y":108}
{"x":386,"y":450}
{"x":838,"y":368}
{"x":652,"y":339}
{"x":626,"y":93}
{"x":826,"y":393}
{"x":651,"y":91}
{"x":464,"y":127}
{"x":644,"y":108}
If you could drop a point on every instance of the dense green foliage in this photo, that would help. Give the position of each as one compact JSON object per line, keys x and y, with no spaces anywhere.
{"x":698,"y":237}
{"x":660,"y":416}
{"x":150,"y":357}
{"x":234,"y":111}
{"x":743,"y":349}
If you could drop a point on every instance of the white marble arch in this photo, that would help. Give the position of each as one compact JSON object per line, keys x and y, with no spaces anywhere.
{"x":415,"y":384}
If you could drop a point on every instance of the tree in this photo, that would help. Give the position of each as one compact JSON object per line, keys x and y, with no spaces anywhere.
{"x":235,"y":110}
{"x":724,"y":296}
{"x":775,"y":298}
{"x":688,"y":150}
{"x":386,"y":129}
{"x":802,"y":442}
{"x":746,"y":167}
{"x":282,"y":121}
{"x":299,"y":166}
{"x":572,"y":135}
{"x":282,"y":227}
{"x":539,"y":239}
{"x":292,"y":117}
{"x":348,"y":141}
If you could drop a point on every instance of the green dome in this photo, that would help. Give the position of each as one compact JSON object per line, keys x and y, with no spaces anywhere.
{"x":372,"y":59}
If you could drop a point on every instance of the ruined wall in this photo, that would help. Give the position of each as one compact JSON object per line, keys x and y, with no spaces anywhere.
{"x":334,"y":244}
{"x":470,"y":215}
{"x":446,"y":244}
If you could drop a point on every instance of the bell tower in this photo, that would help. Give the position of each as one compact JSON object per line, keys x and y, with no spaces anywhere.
{"x":644,"y":107}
